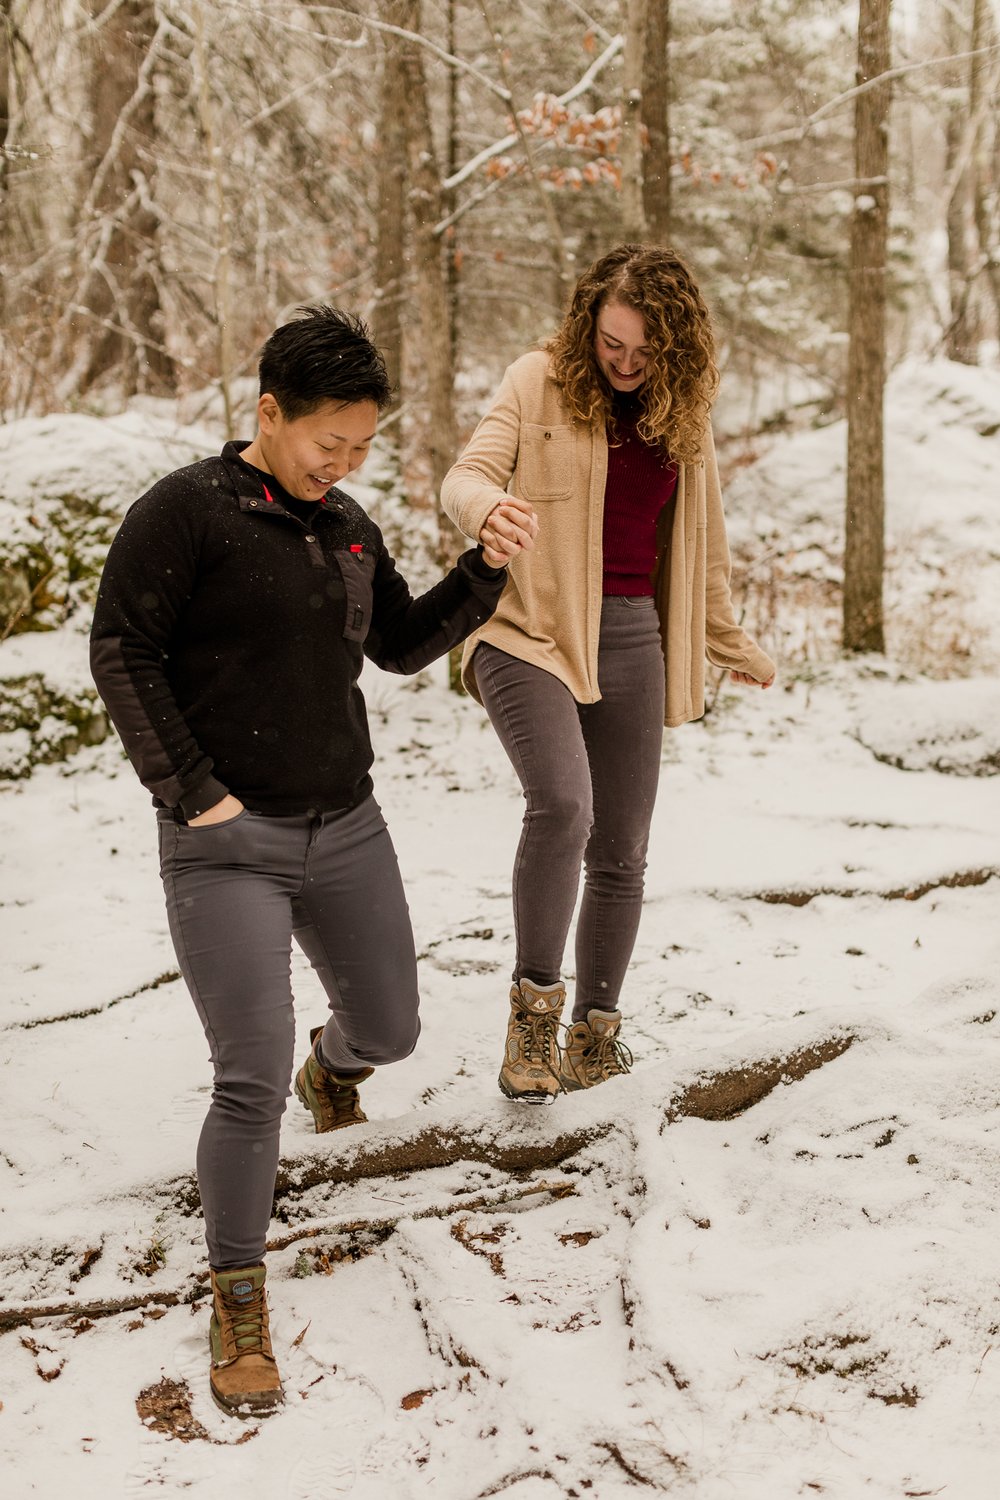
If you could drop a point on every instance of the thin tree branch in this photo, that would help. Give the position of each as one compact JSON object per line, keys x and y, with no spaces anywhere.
{"x":791,"y":189}
{"x":799,"y":132}
{"x":305,"y":88}
{"x":559,"y":1188}
{"x":594,"y":25}
{"x":499,"y":147}
{"x":557,"y":244}
{"x":967,"y":144}
{"x":142,"y":88}
{"x":22,"y":609}
{"x":370,"y":23}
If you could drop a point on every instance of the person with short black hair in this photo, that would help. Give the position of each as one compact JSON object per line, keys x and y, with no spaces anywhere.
{"x":237,"y":604}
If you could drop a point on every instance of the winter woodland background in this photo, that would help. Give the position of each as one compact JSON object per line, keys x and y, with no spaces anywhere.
{"x":765,"y":1264}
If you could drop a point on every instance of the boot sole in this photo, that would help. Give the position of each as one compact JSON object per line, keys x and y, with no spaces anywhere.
{"x":529,"y":1096}
{"x":300,"y":1096}
{"x":249,"y":1407}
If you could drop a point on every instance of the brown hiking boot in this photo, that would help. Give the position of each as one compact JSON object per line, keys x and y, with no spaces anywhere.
{"x":244,"y":1376}
{"x":530,"y":1068}
{"x":332,"y":1100}
{"x":593,"y":1052}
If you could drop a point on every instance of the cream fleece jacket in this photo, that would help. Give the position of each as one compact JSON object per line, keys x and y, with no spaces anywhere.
{"x":550,"y":611}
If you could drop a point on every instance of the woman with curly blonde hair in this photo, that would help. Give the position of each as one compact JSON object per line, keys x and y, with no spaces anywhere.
{"x":602,"y":630}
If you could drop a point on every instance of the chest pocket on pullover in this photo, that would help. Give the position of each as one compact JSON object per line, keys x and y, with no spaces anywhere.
{"x":357,"y":570}
{"x":545,"y":461}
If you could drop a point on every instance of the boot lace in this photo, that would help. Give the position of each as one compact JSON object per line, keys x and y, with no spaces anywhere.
{"x":247,"y":1319}
{"x":606,"y":1058}
{"x":538,"y":1034}
{"x":339,"y":1100}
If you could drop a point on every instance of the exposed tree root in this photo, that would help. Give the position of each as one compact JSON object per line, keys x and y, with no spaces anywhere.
{"x":96,"y":1010}
{"x":17,"y":1317}
{"x":723,"y":1096}
{"x":499,"y":1146}
{"x":901,"y":893}
{"x":483,"y":1201}
{"x":507,"y":1145}
{"x":987,"y":764}
{"x":510,"y":1145}
{"x":503,"y":1145}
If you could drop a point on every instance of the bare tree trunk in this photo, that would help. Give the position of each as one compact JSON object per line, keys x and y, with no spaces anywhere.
{"x":208,"y":122}
{"x":6,"y":62}
{"x":864,"y":547}
{"x":983,"y":180}
{"x":960,"y":337}
{"x":123,"y":292}
{"x":633,"y":211}
{"x":449,"y":199}
{"x":426,"y":209}
{"x":656,"y":178}
{"x":437,"y":335}
{"x":961,"y":340}
{"x":389,"y":248}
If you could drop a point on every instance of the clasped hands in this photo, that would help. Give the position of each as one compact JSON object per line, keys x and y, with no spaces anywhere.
{"x":510,"y":528}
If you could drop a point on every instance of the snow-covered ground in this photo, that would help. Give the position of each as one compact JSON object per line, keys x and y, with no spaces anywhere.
{"x":762,"y":1266}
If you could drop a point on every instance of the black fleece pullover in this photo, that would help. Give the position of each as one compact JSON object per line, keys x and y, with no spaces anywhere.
{"x":229,"y":636}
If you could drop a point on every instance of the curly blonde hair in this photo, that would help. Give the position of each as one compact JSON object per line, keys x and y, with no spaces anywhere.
{"x":681,"y":374}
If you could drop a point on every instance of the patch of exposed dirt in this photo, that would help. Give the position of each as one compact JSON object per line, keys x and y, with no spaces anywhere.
{"x":959,"y":878}
{"x":724,"y":1096}
{"x":166,"y":1408}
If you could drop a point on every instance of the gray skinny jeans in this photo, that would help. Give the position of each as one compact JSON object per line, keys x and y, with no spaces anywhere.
{"x":589,"y":772}
{"x":237,"y":893}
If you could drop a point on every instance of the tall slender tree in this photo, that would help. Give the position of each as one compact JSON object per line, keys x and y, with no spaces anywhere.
{"x":426,"y":211}
{"x":962,"y":336}
{"x":864,"y":549}
{"x":6,"y":30}
{"x":122,"y":289}
{"x":656,"y":177}
{"x":391,"y":206}
{"x":984,"y":74}
{"x":633,"y":71}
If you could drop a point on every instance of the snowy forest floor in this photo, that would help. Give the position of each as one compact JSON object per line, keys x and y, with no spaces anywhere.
{"x":766,"y":1264}
{"x":763,"y":1266}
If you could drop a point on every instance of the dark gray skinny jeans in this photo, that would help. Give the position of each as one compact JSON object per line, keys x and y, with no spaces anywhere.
{"x":237,"y":893}
{"x":589,"y":772}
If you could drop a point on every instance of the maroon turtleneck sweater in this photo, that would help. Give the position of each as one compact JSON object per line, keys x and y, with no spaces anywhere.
{"x":640,"y":483}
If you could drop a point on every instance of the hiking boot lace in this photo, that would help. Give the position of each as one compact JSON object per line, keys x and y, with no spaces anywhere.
{"x":538,"y":1035}
{"x":607,"y":1057}
{"x":248,"y":1319}
{"x":336,"y":1102}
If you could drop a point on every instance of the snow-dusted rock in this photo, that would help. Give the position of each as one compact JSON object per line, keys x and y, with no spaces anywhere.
{"x":953,"y":727}
{"x":65,"y":481}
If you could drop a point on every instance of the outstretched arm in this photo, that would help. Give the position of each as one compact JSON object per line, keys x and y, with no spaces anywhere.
{"x":407,"y":633}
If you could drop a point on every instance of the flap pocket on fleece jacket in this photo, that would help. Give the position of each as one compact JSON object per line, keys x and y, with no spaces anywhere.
{"x":545,"y":461}
{"x":357,"y":570}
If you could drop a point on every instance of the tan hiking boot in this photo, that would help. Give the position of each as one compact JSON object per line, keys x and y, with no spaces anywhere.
{"x":593,"y":1052}
{"x":332,"y":1100}
{"x":530,"y":1068}
{"x":244,"y":1377}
